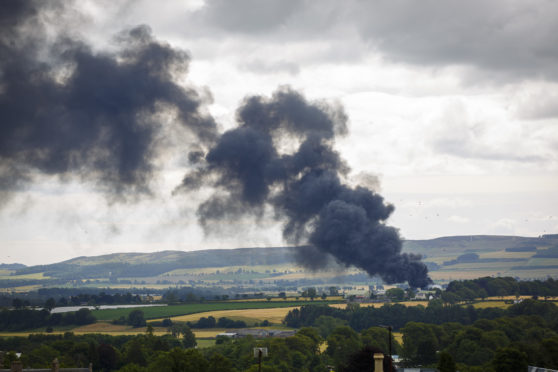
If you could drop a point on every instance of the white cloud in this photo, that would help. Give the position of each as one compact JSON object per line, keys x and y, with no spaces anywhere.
{"x":458,"y":219}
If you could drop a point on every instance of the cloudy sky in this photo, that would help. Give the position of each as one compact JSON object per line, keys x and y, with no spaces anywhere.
{"x":452,"y":113}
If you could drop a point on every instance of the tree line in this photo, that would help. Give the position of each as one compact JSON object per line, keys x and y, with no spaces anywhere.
{"x":23,"y":319}
{"x":468,"y":290}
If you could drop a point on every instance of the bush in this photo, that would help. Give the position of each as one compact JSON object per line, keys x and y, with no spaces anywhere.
{"x":136,"y":319}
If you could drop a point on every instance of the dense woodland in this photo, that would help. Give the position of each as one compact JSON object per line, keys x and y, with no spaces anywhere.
{"x":472,"y":337}
{"x":467,"y":290}
{"x":526,"y":334}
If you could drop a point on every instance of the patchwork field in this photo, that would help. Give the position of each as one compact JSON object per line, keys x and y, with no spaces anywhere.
{"x":273,"y":315}
{"x":177,"y":310}
{"x":380,"y":304}
{"x":21,"y":289}
{"x":487,"y":304}
{"x":446,"y":275}
{"x":38,"y":276}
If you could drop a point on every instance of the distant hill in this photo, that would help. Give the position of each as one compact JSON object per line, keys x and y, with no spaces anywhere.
{"x":152,"y":264}
{"x":476,"y":243}
{"x":491,"y":253}
{"x":14,"y":266}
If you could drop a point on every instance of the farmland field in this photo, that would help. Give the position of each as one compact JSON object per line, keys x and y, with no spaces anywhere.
{"x":27,"y":276}
{"x":380,"y":304}
{"x":115,"y":330}
{"x":273,"y":315}
{"x":486,"y":304}
{"x":176,"y":310}
{"x":20,"y":289}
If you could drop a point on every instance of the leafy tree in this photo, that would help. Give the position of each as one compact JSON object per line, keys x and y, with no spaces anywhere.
{"x":9,"y":357}
{"x":342,"y":343}
{"x":208,"y":322}
{"x":419,"y":343}
{"x":326,"y":324}
{"x":135,"y":352}
{"x":450,"y":297}
{"x":179,"y":360}
{"x":189,"y":339}
{"x":136,"y":319}
{"x":41,"y":356}
{"x":333,"y":291}
{"x":395,"y":294}
{"x":466,"y":347}
{"x":314,"y":336}
{"x":377,"y":337}
{"x":108,"y":358}
{"x":82,"y":317}
{"x":222,"y":340}
{"x":195,"y":362}
{"x":220,"y":363}
{"x":446,"y":362}
{"x":17,"y":303}
{"x":310,"y":292}
{"x":410,"y":293}
{"x":133,"y":368}
{"x":50,"y":304}
{"x":509,"y":360}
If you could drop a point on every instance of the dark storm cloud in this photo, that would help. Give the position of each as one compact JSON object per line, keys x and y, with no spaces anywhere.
{"x":247,"y":16}
{"x":252,"y":168}
{"x":71,"y":112}
{"x":504,"y":40}
{"x":512,"y":38}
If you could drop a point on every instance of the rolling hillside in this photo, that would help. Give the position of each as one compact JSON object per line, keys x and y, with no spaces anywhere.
{"x":447,"y":257}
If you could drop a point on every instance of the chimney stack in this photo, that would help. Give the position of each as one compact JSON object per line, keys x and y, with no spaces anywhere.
{"x":55,"y":365}
{"x":17,"y":366}
{"x":378,"y":362}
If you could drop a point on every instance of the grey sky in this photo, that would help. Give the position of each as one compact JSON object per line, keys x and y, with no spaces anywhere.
{"x":452,"y":106}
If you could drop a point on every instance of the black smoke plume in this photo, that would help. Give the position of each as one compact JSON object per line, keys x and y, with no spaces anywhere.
{"x":68,"y":111}
{"x":252,"y":167}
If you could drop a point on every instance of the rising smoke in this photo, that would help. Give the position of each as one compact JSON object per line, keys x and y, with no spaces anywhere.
{"x":252,"y":167}
{"x":68,"y":111}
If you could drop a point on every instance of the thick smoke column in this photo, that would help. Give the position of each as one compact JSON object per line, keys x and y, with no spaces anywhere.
{"x":66,"y":110}
{"x":252,"y":170}
{"x":69,"y":111}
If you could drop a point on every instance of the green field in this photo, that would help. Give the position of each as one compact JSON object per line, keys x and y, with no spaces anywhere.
{"x":175,"y":310}
{"x":8,"y":276}
{"x":204,"y":343}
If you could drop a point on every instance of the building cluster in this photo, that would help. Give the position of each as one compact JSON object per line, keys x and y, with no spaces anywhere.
{"x":258,"y":333}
